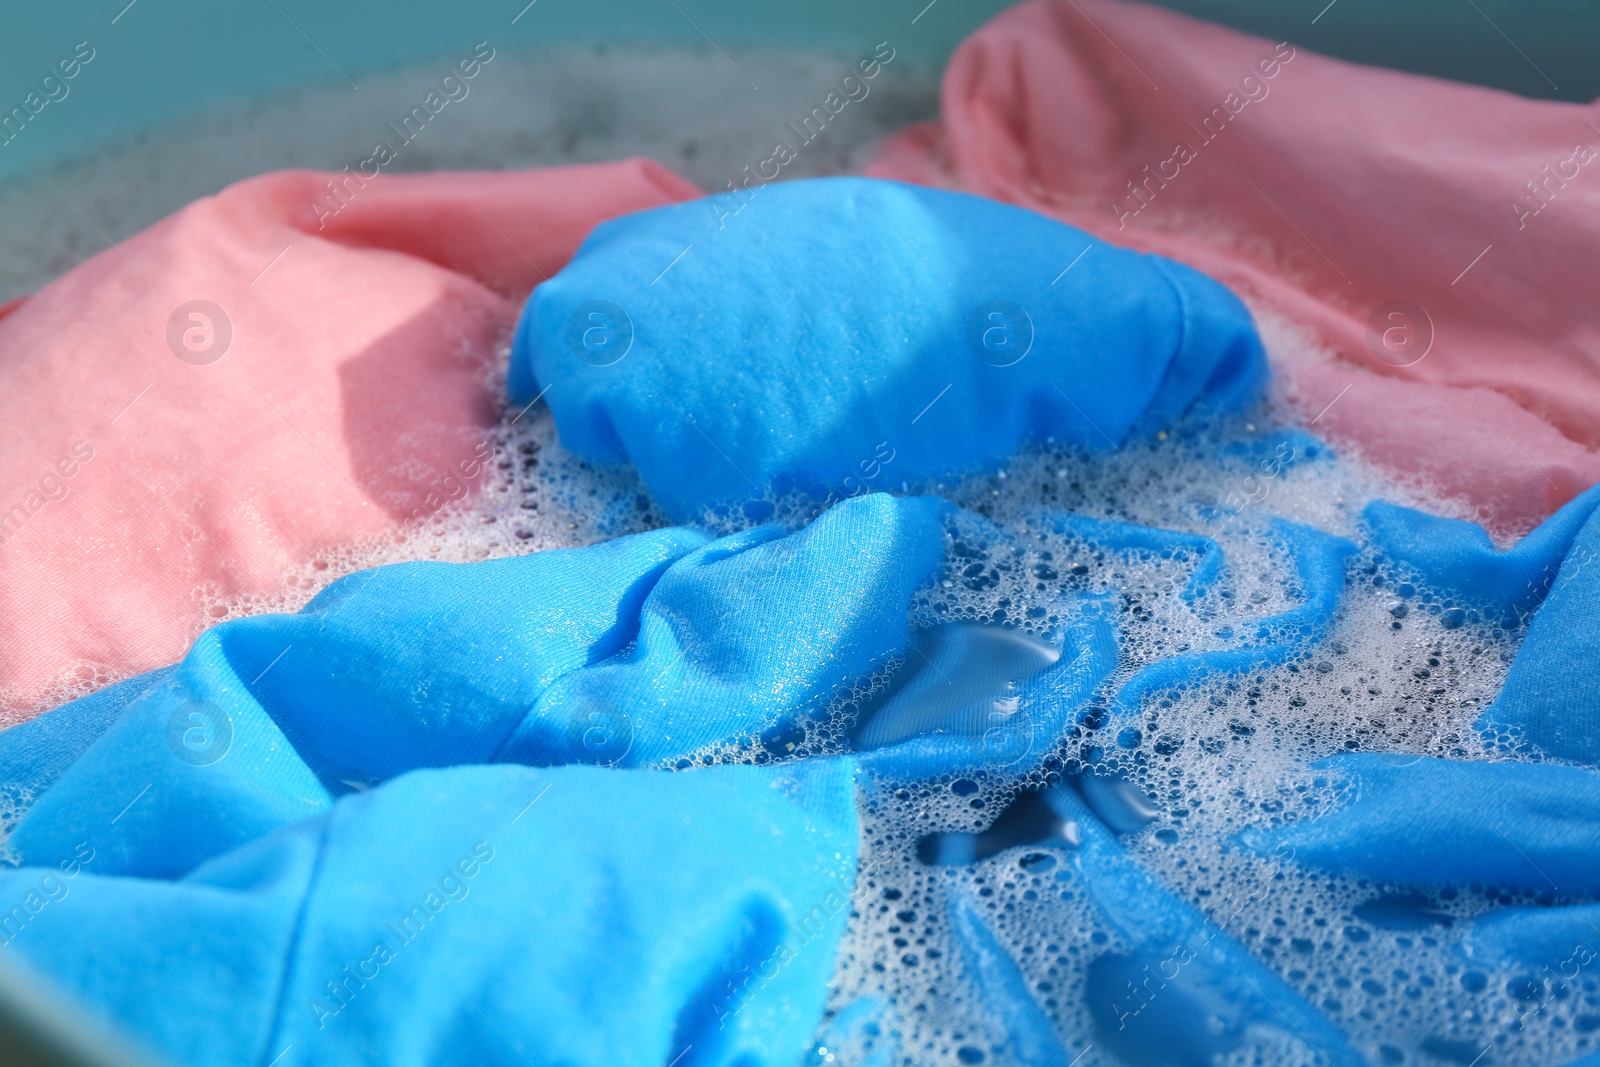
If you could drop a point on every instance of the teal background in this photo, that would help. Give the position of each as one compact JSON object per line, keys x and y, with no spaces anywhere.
{"x":164,"y":59}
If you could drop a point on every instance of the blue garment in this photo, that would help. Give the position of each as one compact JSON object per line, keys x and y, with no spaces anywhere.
{"x":1023,"y":1029}
{"x":372,"y":721}
{"x":878,"y":333}
{"x":478,"y":915}
{"x":638,"y":651}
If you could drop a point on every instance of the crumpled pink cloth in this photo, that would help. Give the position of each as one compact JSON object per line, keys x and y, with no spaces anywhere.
{"x":358,"y":378}
{"x":1321,"y":191}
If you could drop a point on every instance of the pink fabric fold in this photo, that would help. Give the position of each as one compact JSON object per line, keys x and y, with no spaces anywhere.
{"x":151,"y":467}
{"x":1437,"y":244}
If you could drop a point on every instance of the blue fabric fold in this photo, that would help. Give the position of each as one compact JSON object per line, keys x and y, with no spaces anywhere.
{"x":641,"y":650}
{"x":481,"y":915}
{"x":1180,"y":988}
{"x":754,"y":630}
{"x":1023,"y":1031}
{"x":1421,"y":821}
{"x":1550,"y":703}
{"x":1457,"y":558}
{"x":1151,"y":543}
{"x":1418,"y":829}
{"x":250,"y":832}
{"x":879,"y":333}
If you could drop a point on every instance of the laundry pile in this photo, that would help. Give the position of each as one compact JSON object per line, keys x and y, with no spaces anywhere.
{"x":1023,"y":682}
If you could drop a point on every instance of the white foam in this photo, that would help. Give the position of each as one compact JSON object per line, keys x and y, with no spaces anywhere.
{"x":1217,"y":760}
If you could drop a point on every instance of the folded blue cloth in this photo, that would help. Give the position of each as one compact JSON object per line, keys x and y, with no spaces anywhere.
{"x":846,"y":333}
{"x":1550,"y":703}
{"x":1457,"y":559}
{"x":695,"y":912}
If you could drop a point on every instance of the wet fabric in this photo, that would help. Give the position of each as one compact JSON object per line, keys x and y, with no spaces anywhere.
{"x":877,"y":333}
{"x":1470,"y":214}
{"x":476,"y":915}
{"x":299,"y":362}
{"x":699,"y":911}
{"x":392,"y":723}
{"x":641,"y":651}
{"x":1435,"y":822}
{"x":1529,"y":824}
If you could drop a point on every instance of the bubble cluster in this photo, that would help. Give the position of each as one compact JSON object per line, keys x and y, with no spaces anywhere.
{"x":1192,"y":766}
{"x":1175,"y":778}
{"x":1401,"y":670}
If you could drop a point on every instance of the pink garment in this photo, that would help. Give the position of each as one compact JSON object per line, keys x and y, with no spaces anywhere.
{"x":358,"y":377}
{"x":1320,"y":191}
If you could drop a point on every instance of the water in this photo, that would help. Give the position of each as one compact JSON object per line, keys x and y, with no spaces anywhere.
{"x":957,"y":678}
